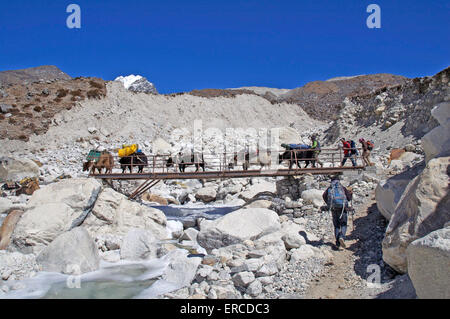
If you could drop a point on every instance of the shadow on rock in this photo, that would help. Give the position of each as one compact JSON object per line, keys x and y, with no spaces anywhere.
{"x":367,"y":232}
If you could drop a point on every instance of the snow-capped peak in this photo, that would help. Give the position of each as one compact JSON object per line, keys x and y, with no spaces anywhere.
{"x":128,"y":80}
{"x":137,"y":83}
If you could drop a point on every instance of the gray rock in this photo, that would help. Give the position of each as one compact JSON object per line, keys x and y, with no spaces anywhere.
{"x":238,"y":226}
{"x":243,"y":279}
{"x":181,"y":269}
{"x":423,"y":208}
{"x":203,"y":272}
{"x":115,"y":213}
{"x":259,"y":188}
{"x":429,"y":265}
{"x":223,"y":292}
{"x":5,"y":205}
{"x":267,"y":269}
{"x":73,"y":252}
{"x":254,"y":289}
{"x":206,"y":194}
{"x":5,"y":108}
{"x":253,"y":264}
{"x":313,"y":196}
{"x":438,"y":140}
{"x":17,"y":265}
{"x":53,"y":210}
{"x":189,"y":234}
{"x":266,"y":280}
{"x":139,"y":244}
{"x":302,"y":253}
{"x":15,"y":169}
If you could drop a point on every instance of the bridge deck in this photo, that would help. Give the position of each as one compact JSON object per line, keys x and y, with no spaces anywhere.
{"x":226,"y":174}
{"x":221,"y":167}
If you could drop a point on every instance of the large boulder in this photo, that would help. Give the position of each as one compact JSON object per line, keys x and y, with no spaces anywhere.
{"x":139,"y":244}
{"x":389,"y":192}
{"x":429,"y":265}
{"x":313,"y":196}
{"x":5,"y":205}
{"x":238,"y":226}
{"x":437,"y":140}
{"x":259,"y":188}
{"x":206,"y":194}
{"x":53,"y":210}
{"x":16,"y":169}
{"x":8,"y":226}
{"x":115,"y":213}
{"x":73,"y":252}
{"x":261,"y":203}
{"x":422,"y":209}
{"x":229,"y":190}
{"x":181,"y":269}
{"x":271,"y":248}
{"x":154,"y":198}
{"x":291,"y":235}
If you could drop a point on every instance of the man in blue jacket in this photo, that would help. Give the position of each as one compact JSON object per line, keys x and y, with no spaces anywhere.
{"x":337,"y":198}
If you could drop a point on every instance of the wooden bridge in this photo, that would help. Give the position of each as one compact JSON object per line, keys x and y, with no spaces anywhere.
{"x":229,"y":166}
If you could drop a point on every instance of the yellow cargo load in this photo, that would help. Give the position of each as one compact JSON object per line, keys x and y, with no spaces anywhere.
{"x":127,"y":150}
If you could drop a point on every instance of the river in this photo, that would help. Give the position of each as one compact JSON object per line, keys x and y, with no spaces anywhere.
{"x":119,"y":280}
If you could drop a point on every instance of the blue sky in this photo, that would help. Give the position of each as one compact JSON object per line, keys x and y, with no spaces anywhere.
{"x":185,"y":45}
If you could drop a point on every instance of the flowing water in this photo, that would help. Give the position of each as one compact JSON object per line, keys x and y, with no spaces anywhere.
{"x":183,"y":212}
{"x":120,"y":280}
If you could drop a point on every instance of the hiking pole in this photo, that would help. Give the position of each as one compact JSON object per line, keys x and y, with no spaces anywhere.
{"x":321,"y":214}
{"x":322,"y":211}
{"x":352,"y":213}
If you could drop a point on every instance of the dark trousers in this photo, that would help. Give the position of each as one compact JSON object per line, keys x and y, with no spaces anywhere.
{"x":352,"y":158}
{"x":339,"y":222}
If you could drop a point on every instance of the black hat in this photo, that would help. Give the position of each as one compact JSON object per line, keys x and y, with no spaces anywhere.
{"x":336,"y":177}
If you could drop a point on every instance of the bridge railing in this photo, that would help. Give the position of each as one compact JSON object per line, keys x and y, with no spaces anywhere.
{"x":165,"y":163}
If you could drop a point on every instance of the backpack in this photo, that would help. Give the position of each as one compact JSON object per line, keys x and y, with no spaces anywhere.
{"x":318,"y":145}
{"x":370,"y":145}
{"x":336,"y":196}
{"x":353,"y":147}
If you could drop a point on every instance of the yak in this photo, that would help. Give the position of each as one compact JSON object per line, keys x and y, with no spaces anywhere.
{"x":106,"y":161}
{"x":138,"y":160}
{"x":184,"y":160}
{"x":261,"y":158}
{"x":296,"y":156}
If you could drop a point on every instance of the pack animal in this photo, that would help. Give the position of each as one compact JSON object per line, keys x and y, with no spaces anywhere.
{"x":261,"y":158}
{"x":105,"y":161}
{"x":297,"y":156}
{"x":184,"y":160}
{"x":138,"y":160}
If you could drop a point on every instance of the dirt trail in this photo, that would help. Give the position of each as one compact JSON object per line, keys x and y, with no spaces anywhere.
{"x":346,"y":275}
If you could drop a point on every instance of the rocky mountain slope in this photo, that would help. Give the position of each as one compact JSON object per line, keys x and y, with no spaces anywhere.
{"x":392,"y":116}
{"x":324,"y":99}
{"x":29,"y":109}
{"x":26,"y":76}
